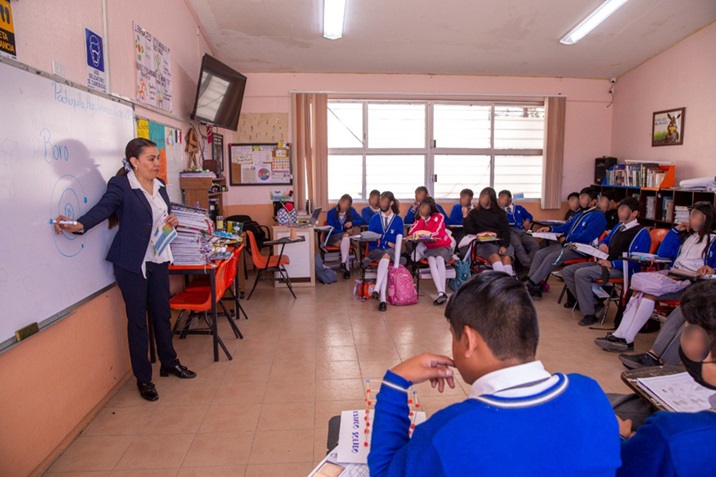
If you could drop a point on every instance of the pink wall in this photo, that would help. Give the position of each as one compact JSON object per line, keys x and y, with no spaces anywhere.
{"x":54,"y":380}
{"x":682,"y":76}
{"x":588,"y":128}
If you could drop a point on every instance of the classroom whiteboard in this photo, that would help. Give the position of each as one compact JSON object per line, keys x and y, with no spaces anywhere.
{"x":58,"y":148}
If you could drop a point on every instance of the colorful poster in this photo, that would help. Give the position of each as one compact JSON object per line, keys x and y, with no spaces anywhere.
{"x":143,"y":128}
{"x":7,"y":30}
{"x":157,"y":135}
{"x":94,"y":50}
{"x":154,"y":77}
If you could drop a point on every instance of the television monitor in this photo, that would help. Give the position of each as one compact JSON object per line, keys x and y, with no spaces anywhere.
{"x":219,"y":94}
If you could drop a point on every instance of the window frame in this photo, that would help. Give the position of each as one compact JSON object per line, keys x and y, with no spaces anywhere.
{"x":430,"y":149}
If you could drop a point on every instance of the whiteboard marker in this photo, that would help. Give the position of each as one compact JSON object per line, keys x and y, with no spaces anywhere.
{"x":63,"y":222}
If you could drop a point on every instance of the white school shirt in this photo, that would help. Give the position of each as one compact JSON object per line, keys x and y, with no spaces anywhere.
{"x":516,"y":381}
{"x":691,"y":256}
{"x":159,"y":210}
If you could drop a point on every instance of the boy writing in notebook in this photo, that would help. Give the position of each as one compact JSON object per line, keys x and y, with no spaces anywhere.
{"x":519,"y":419}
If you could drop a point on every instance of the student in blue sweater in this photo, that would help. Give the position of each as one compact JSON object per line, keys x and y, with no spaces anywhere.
{"x":373,"y":206}
{"x":389,"y":225}
{"x":343,"y":217}
{"x":627,"y":237}
{"x":518,"y":420}
{"x":459,"y":212}
{"x":520,"y":222}
{"x":420,"y":194}
{"x":584,"y":227}
{"x":674,"y":444}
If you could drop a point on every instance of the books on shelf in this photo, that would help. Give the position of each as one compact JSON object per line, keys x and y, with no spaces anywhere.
{"x":645,"y":174}
{"x":681,"y":214}
{"x":651,"y":208}
{"x":667,"y":209}
{"x":192,"y":246}
{"x":198,"y":174}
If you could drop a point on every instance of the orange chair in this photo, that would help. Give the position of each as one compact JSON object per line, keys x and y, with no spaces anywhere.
{"x":423,"y":264}
{"x":268,"y":264}
{"x":657,"y":236}
{"x":198,"y":303}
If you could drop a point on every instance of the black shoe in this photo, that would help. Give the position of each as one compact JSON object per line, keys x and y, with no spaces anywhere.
{"x":375,"y":295}
{"x":346,"y":271}
{"x":588,"y":320}
{"x":442,"y":298}
{"x":643,"y":360}
{"x":148,"y":391}
{"x":535,"y":290}
{"x":571,"y":300}
{"x":383,"y":306}
{"x":178,"y":370}
{"x":612,"y":343}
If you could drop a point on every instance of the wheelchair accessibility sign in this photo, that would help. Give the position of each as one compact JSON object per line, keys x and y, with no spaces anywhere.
{"x":7,"y":30}
{"x":96,"y":76}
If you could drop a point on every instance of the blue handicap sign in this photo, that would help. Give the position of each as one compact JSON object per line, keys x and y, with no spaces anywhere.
{"x":95,"y":50}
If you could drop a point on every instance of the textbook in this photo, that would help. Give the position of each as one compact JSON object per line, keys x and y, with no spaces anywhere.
{"x":588,"y":250}
{"x":679,"y":392}
{"x":546,"y":235}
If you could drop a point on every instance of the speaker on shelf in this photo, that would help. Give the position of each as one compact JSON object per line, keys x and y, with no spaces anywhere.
{"x":601,"y":165}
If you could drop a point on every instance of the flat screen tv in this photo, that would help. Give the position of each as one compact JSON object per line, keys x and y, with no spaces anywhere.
{"x":219,"y":94}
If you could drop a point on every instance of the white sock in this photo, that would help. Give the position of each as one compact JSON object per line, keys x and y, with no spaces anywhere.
{"x":381,"y":280}
{"x":498,"y":266}
{"x":435,"y":264}
{"x":632,"y":323}
{"x":345,"y":249}
{"x":443,"y":274}
{"x":510,"y":270}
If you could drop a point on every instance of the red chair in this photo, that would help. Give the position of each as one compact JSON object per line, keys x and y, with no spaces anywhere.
{"x":423,"y":264}
{"x":198,"y":303}
{"x":270,"y":264}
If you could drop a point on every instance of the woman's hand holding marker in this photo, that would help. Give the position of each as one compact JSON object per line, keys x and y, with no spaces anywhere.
{"x":65,"y":224}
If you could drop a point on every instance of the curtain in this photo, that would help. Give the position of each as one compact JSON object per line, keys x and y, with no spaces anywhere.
{"x":555,"y":113}
{"x":310,"y":135}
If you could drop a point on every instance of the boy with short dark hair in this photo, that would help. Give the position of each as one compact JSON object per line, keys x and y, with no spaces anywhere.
{"x":420,"y":194}
{"x":573,"y":201}
{"x":519,"y":418}
{"x":520,"y":222}
{"x":373,"y":206}
{"x":609,"y":207}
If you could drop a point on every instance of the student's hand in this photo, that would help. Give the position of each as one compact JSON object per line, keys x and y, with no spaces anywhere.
{"x":502,"y":251}
{"x":562,"y":239}
{"x":605,"y":263}
{"x":683,"y":227}
{"x":604,"y":248}
{"x":527,"y":224}
{"x":543,"y":229}
{"x":705,"y":270}
{"x":625,"y":427}
{"x":172,"y":220}
{"x":67,"y":228}
{"x":427,"y":367}
{"x":391,"y":245}
{"x":465,"y":211}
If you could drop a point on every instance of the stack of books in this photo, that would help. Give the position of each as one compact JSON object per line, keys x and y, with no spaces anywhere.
{"x":635,"y":175}
{"x":193,"y":243}
{"x":197,"y":174}
{"x":651,"y":207}
{"x":667,"y":209}
{"x":681,"y":214}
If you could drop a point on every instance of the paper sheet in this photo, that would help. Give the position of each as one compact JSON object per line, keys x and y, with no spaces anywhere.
{"x":546,"y":235}
{"x":589,"y":250}
{"x":680,"y":392}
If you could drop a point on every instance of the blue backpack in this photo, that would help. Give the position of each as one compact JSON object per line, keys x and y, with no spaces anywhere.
{"x":462,"y":273}
{"x":324,"y":274}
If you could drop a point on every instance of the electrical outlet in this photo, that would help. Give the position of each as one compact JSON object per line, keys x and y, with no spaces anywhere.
{"x":58,"y":69}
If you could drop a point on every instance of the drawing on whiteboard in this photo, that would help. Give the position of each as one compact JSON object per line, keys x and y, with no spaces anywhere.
{"x":68,"y":199}
{"x":53,"y":152}
{"x":7,"y":158}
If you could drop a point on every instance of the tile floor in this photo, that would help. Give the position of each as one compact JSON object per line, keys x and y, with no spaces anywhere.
{"x":302,"y":361}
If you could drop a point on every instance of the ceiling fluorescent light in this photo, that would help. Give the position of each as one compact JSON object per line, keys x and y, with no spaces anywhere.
{"x":334,"y":12}
{"x":591,"y":22}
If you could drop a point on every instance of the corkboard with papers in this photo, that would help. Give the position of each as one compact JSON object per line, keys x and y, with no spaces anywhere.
{"x":260,"y":164}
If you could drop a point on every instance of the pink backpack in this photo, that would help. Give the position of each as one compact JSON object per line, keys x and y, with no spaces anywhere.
{"x":401,"y":288}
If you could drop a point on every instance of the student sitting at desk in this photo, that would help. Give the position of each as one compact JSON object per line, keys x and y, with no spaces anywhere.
{"x":373,"y":206}
{"x":519,"y":419}
{"x":461,"y":209}
{"x":488,"y":218}
{"x":432,"y":222}
{"x":343,"y":217}
{"x":520,"y":222}
{"x":420,"y":194}
{"x":628,"y":237}
{"x":573,"y":201}
{"x":137,"y":200}
{"x":583,"y":227}
{"x":692,"y":247}
{"x":609,"y":207}
{"x":389,"y":225}
{"x":678,"y":443}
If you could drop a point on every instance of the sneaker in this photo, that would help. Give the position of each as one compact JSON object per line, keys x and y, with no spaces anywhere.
{"x":612,"y":343}
{"x":442,"y":298}
{"x":643,"y":360}
{"x":588,"y":320}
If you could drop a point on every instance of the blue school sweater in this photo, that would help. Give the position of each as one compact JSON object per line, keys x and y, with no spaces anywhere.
{"x":640,"y":243}
{"x":367,"y":214}
{"x":566,"y":430}
{"x":387,"y":235}
{"x":671,"y":247}
{"x":518,"y":216}
{"x":583,"y":227}
{"x":410,"y":214}
{"x":455,"y":217}
{"x":334,"y":221}
{"x":671,"y":444}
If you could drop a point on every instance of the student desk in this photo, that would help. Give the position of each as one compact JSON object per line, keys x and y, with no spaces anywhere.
{"x":301,"y":270}
{"x":630,"y":379}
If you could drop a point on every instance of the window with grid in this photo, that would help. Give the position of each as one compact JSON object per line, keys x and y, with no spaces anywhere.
{"x":399,"y":145}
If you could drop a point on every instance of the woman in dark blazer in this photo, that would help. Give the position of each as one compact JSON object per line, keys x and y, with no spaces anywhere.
{"x":138,"y":201}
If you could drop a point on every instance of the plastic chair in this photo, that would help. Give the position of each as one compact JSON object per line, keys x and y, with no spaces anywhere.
{"x":657,"y":236}
{"x":268,"y":264}
{"x":573,"y":261}
{"x":423,"y":264}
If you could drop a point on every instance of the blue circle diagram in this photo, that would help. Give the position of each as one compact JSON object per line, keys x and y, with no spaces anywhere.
{"x":68,"y":199}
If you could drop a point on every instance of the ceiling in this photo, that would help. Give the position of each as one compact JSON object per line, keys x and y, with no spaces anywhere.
{"x":476,"y":37}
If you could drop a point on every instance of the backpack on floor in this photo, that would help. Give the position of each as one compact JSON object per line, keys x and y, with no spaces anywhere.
{"x":363,"y":290}
{"x":401,"y":288}
{"x":324,"y":274}
{"x":462,"y":273}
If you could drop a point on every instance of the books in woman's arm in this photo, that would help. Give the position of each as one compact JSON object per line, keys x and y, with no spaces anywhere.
{"x":588,"y":250}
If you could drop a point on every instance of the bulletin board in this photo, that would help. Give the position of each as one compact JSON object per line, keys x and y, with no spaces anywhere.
{"x":260,"y":164}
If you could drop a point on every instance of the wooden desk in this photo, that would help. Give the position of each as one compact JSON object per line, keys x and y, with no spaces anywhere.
{"x":302,"y":255}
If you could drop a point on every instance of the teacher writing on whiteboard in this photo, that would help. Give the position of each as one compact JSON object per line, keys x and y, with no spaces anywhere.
{"x":138,"y":201}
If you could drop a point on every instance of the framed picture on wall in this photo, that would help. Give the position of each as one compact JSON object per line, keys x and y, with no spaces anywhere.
{"x":217,"y":149}
{"x":667,"y":128}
